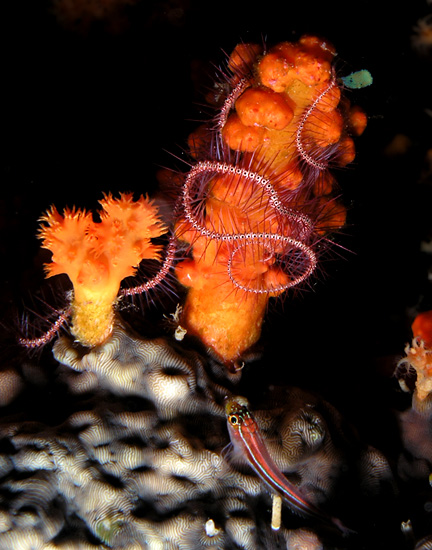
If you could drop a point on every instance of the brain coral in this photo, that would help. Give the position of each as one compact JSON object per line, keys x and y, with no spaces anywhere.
{"x":140,"y":460}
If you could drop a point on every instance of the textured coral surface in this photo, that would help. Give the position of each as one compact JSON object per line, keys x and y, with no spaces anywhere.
{"x":140,"y":460}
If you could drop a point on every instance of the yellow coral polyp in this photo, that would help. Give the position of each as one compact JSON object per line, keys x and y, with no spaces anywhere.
{"x":97,"y":256}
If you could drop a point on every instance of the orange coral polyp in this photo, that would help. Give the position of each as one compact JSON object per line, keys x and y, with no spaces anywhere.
{"x":240,"y":137}
{"x":274,"y":71}
{"x":307,"y":61}
{"x":65,"y":237}
{"x":422,"y":327}
{"x":257,"y":269}
{"x":262,"y":107}
{"x":331,"y":100}
{"x":214,"y":325}
{"x":312,"y":70}
{"x":324,"y":129}
{"x":346,"y":151}
{"x":357,"y":120}
{"x":98,"y":256}
{"x":234,"y":206}
{"x":317,"y":46}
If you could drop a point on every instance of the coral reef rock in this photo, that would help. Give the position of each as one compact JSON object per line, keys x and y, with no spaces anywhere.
{"x":140,"y":458}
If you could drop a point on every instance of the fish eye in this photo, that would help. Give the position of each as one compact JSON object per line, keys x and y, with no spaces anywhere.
{"x":233,"y":419}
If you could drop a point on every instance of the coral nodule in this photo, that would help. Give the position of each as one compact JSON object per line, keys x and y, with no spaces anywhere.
{"x":97,"y":256}
{"x":260,"y":197}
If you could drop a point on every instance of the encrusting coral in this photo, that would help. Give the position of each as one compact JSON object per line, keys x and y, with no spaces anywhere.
{"x":260,"y":197}
{"x":97,"y":256}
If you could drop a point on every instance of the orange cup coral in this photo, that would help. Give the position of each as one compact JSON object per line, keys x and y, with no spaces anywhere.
{"x":96,"y":256}
{"x":254,"y":213}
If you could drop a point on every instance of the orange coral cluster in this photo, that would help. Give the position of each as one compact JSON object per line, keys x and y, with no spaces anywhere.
{"x":254,"y":214}
{"x":96,"y":256}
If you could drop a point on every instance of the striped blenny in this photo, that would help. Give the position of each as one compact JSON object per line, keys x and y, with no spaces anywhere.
{"x":245,"y":434}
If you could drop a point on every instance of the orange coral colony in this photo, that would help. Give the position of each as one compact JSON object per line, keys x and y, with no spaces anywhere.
{"x":253,"y":215}
{"x":96,"y":256}
{"x":419,"y":354}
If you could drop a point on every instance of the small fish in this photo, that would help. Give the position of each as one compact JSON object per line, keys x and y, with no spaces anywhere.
{"x":245,"y":433}
{"x":357,"y":80}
